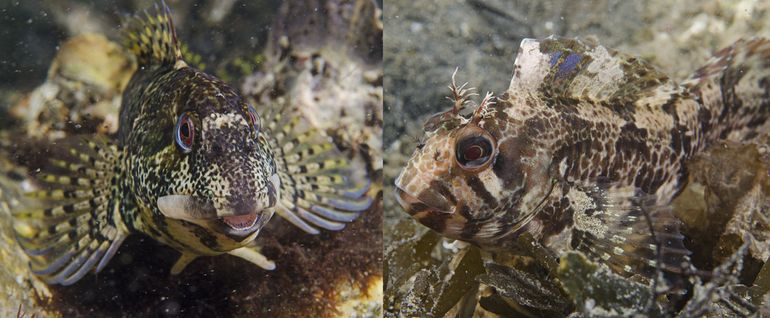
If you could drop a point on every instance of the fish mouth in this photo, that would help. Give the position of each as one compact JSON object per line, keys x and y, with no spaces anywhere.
{"x":412,"y":205}
{"x":245,"y":219}
{"x":428,"y":209}
{"x":444,"y":221}
{"x":245,"y":224}
{"x":200,"y":212}
{"x":241,"y":222}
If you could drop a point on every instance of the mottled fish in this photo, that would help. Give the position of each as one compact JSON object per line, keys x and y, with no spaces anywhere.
{"x":191,"y":166}
{"x":584,"y":151}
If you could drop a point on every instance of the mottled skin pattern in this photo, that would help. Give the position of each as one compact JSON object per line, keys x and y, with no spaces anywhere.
{"x":585,"y":142}
{"x":192,"y":167}
{"x":229,"y":168}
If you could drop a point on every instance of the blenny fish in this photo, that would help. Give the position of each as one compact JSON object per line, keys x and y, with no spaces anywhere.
{"x":191,"y":166}
{"x":584,"y":151}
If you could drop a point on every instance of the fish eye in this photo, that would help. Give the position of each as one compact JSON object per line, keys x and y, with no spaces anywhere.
{"x":254,"y":118}
{"x":184,"y":133}
{"x":473,"y":152}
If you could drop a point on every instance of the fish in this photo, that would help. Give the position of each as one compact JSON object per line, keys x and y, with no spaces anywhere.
{"x":194,"y":165}
{"x":583,"y":152}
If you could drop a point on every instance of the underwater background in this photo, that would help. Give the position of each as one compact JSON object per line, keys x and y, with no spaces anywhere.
{"x":425,"y":41}
{"x":61,"y":73}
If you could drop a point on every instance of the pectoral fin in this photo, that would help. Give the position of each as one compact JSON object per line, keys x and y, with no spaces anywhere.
{"x":248,"y":253}
{"x":252,"y":255}
{"x":182,"y":262}
{"x":318,"y":187}
{"x":626,"y":229}
{"x":78,"y":228}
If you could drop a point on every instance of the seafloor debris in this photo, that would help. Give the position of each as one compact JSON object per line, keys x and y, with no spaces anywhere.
{"x":84,"y":88}
{"x":418,"y":284}
{"x":727,"y":198}
{"x":531,"y":289}
{"x":597,"y":291}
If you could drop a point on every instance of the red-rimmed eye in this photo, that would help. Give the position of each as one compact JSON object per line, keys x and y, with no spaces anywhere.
{"x":254,"y":118}
{"x":474,"y":152}
{"x":184,"y":133}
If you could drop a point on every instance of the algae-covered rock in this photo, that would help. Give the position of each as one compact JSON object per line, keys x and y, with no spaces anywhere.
{"x":726,"y":205}
{"x":599,"y":292}
{"x":432,"y":284}
{"x":83,"y":88}
{"x":533,"y":290}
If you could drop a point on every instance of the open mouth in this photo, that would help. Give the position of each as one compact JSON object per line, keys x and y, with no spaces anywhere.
{"x":188,"y":208}
{"x":245,"y":224}
{"x":241,"y":222}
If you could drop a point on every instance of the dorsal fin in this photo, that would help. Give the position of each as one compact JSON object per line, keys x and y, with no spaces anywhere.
{"x":152,"y":38}
{"x":570,"y":68}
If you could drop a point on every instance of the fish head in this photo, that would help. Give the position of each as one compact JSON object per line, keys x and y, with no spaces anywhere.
{"x":225,"y":178}
{"x":474,"y":177}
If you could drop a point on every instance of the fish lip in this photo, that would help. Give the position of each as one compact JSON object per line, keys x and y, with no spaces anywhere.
{"x":240,"y":221}
{"x":185,"y":207}
{"x":408,"y":202}
{"x":192,"y":209}
{"x":243,"y":224}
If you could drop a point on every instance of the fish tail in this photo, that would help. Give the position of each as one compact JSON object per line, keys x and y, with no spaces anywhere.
{"x":77,"y":227}
{"x":319,"y":185}
{"x":734,"y":90}
{"x":151,"y":37}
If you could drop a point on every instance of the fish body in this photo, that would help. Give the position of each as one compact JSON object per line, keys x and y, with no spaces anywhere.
{"x":584,"y":148}
{"x":194,"y":165}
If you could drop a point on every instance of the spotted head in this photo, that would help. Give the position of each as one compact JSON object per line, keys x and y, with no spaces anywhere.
{"x":476,"y":176}
{"x":196,"y":149}
{"x":202,"y":156}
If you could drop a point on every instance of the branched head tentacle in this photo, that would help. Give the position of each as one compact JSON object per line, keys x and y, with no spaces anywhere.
{"x":489,"y":99}
{"x":460,"y":95}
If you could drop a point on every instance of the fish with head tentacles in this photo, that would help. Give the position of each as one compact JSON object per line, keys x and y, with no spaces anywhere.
{"x":584,"y":151}
{"x":193,"y":166}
